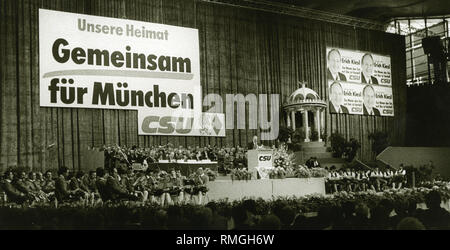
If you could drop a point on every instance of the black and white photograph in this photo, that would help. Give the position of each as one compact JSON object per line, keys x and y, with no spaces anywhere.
{"x":250,"y":118}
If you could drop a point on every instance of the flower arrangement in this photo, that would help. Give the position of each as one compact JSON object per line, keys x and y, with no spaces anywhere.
{"x":239,"y":174}
{"x":302,"y":172}
{"x":281,"y":158}
{"x":277,"y":173}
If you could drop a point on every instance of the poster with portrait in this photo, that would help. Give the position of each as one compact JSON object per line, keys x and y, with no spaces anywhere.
{"x":359,"y":83}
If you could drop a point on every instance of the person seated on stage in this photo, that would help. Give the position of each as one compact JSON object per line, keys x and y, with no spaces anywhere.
{"x":200,"y":188}
{"x":348,"y":178}
{"x":35,"y":188}
{"x":62,"y":190}
{"x":89,"y":185}
{"x":20,"y":183}
{"x":316,"y":163}
{"x":12,"y":193}
{"x":175,"y":187}
{"x":240,"y":161}
{"x":101,"y":184}
{"x":399,"y":178}
{"x":129,"y":181}
{"x":164,"y":186}
{"x":388,"y":177}
{"x":376,"y":177}
{"x":172,"y":157}
{"x":39,"y":178}
{"x":115,"y":189}
{"x":48,"y":186}
{"x":152,"y":186}
{"x":363,"y":180}
{"x":333,"y":180}
{"x":310,"y":162}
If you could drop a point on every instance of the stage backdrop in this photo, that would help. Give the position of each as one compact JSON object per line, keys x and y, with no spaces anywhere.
{"x":241,"y":51}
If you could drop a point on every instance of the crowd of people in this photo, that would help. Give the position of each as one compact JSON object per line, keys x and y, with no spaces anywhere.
{"x":118,"y":184}
{"x":360,"y":180}
{"x":348,"y":216}
{"x":227,"y":158}
{"x":241,"y":215}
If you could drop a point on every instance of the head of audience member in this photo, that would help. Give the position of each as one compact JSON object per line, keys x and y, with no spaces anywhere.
{"x":433,"y":200}
{"x":100,"y":172}
{"x":269,"y":222}
{"x":362,"y":211}
{"x":80,"y":174}
{"x":92,"y":174}
{"x":9,"y":175}
{"x":410,"y":223}
{"x":32,"y":176}
{"x":63,"y":171}
{"x":48,"y":175}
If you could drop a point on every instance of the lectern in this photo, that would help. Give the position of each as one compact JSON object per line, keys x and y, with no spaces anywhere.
{"x":259,"y":159}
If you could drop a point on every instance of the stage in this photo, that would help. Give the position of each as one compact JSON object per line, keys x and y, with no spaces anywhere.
{"x":265,"y":189}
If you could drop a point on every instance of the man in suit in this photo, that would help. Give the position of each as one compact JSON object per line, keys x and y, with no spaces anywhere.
{"x":115,"y":189}
{"x":62,"y":190}
{"x":367,"y":70}
{"x":254,"y":144}
{"x":334,"y":66}
{"x":336,"y":99}
{"x":12,"y":192}
{"x":369,"y":101}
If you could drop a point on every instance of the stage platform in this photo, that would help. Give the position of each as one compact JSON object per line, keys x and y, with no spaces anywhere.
{"x":267,"y":189}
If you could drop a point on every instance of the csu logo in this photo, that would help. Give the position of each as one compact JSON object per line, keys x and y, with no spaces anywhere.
{"x":265,"y":158}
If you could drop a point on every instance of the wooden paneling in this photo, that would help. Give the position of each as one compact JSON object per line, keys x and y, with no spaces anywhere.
{"x":241,"y":51}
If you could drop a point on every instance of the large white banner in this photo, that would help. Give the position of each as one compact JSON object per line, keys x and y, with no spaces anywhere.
{"x":98,"y":62}
{"x":359,"y":83}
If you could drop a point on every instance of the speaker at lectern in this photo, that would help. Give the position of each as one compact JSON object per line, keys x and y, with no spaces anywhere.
{"x":259,"y":161}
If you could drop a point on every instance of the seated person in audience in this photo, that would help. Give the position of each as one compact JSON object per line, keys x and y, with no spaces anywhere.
{"x":115,"y":189}
{"x":21,"y":183}
{"x":101,"y":184}
{"x":139,"y":186}
{"x":200,"y":188}
{"x":35,"y":188}
{"x":410,"y":223}
{"x":89,"y":185}
{"x":12,"y":193}
{"x":48,"y":185}
{"x":435,"y":217}
{"x":62,"y":190}
{"x":39,"y":178}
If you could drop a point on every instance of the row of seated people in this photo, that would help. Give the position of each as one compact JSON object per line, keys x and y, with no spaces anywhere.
{"x":174,"y":154}
{"x":99,"y":186}
{"x":359,"y":180}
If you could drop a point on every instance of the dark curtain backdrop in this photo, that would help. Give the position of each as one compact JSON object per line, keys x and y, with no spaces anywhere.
{"x":242,"y":51}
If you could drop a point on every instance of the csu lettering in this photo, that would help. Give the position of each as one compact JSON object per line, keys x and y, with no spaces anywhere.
{"x":167,"y":124}
{"x":265,"y":158}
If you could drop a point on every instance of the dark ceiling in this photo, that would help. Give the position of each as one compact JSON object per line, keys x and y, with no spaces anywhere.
{"x":378,"y":10}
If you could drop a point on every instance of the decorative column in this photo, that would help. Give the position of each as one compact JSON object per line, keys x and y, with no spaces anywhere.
{"x":293,"y":120}
{"x":322,"y":117}
{"x":318,"y":123}
{"x":305,"y":122}
{"x":288,"y":120}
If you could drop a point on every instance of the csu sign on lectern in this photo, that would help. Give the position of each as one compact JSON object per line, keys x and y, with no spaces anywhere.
{"x":260,"y":161}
